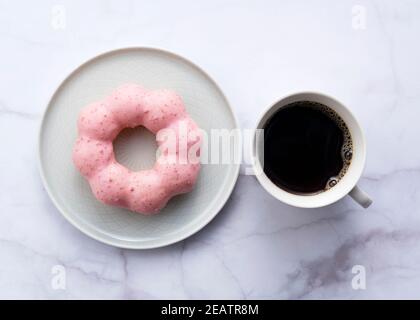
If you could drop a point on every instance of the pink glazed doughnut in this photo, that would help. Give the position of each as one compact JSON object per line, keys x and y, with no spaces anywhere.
{"x":178,"y":138}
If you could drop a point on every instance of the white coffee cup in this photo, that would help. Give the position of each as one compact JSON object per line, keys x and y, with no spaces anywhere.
{"x":347,"y":184}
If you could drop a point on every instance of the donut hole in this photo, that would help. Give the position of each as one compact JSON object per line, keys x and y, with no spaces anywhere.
{"x":135,"y":148}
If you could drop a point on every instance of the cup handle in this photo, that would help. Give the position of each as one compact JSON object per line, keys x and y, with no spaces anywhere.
{"x":360,"y":197}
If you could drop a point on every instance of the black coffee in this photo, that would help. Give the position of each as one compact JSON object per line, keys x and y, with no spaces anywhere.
{"x":307,"y":147}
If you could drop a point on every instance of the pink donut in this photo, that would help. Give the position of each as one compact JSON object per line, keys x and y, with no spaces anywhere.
{"x":178,"y":138}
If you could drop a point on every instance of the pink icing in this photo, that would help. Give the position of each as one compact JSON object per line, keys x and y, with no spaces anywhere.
{"x":160,"y":111}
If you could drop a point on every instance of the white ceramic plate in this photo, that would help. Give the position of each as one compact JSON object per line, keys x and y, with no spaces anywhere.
{"x":153,"y":68}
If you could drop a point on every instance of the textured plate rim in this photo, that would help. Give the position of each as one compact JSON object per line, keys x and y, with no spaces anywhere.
{"x":136,"y":245}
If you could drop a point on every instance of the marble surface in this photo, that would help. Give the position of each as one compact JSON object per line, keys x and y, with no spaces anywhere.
{"x":365,"y":53}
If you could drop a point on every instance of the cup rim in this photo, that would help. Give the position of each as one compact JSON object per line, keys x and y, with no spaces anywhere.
{"x":302,"y":201}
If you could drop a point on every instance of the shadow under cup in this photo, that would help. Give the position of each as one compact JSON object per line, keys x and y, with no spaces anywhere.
{"x":346,"y":183}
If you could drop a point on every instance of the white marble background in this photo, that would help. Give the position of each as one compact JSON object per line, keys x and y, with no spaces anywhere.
{"x":257,"y":51}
